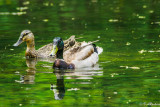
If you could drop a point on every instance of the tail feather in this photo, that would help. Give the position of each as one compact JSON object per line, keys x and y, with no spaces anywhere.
{"x":95,"y":48}
{"x":99,"y":49}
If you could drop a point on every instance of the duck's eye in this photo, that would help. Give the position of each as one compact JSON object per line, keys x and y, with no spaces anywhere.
{"x":25,"y":34}
{"x":59,"y":42}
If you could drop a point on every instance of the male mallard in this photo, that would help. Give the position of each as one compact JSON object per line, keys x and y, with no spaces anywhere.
{"x":27,"y":35}
{"x":79,"y":56}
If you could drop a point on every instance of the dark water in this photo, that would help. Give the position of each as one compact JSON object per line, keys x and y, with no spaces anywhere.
{"x":128,"y":71}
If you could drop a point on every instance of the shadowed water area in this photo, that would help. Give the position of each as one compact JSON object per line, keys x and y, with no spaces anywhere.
{"x":128,"y":71}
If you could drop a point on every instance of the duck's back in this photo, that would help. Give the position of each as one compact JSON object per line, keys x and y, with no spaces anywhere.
{"x":46,"y":50}
{"x":85,"y":55}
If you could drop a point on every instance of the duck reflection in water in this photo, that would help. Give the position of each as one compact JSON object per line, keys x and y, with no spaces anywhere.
{"x":31,"y":70}
{"x":85,"y":73}
{"x":59,"y":89}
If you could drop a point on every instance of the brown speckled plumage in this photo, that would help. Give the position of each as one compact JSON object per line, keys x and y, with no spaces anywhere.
{"x":27,"y":35}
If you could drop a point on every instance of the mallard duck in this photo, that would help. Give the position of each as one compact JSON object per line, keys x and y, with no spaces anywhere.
{"x":27,"y":35}
{"x":80,"y":55}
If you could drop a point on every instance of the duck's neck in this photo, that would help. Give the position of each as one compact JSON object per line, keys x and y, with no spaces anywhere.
{"x":31,"y":52}
{"x":60,"y":54}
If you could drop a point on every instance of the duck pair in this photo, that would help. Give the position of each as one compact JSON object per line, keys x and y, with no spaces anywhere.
{"x":69,"y":53}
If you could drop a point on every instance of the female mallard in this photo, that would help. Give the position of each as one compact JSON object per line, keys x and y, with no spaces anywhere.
{"x":79,"y":56}
{"x":27,"y":35}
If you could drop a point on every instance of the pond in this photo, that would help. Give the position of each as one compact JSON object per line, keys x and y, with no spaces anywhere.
{"x":128,"y":71}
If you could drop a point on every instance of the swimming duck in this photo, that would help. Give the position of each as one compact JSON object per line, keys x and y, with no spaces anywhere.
{"x":27,"y":35}
{"x":80,"y":55}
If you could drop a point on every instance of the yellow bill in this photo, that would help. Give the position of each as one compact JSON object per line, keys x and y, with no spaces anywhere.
{"x":54,"y":50}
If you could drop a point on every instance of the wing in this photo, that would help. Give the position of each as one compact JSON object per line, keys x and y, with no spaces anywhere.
{"x":80,"y":52}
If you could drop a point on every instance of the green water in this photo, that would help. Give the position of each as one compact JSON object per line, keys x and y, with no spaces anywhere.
{"x":128,"y":71}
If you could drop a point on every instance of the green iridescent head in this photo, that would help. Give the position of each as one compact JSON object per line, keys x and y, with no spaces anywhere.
{"x":58,"y":46}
